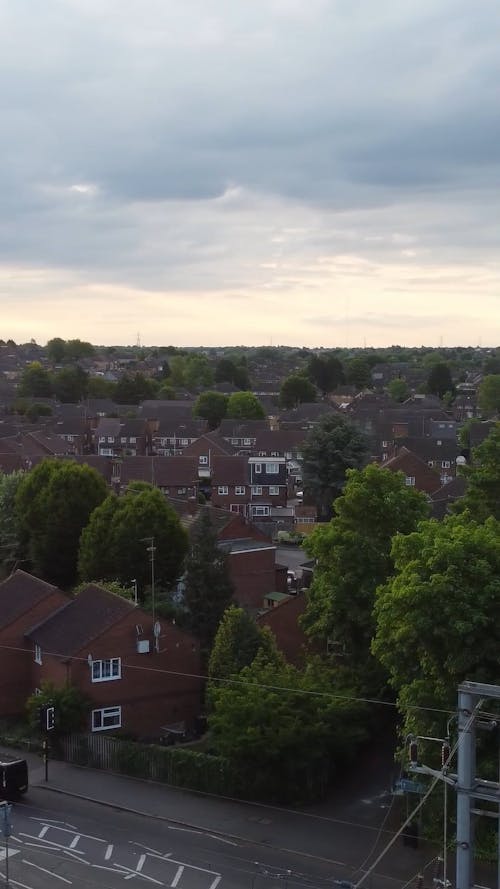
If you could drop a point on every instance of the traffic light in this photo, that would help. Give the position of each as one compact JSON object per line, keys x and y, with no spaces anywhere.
{"x":413,"y":752}
{"x":47,"y":718}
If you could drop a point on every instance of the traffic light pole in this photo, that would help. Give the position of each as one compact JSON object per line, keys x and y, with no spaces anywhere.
{"x":45,"y":748}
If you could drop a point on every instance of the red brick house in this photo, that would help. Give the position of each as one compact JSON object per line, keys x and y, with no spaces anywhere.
{"x":417,"y":473}
{"x":283,"y":620}
{"x":24,"y":601}
{"x":137,"y":680}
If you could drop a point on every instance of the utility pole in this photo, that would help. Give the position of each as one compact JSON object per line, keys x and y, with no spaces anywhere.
{"x":151,"y":550}
{"x":465,"y":785}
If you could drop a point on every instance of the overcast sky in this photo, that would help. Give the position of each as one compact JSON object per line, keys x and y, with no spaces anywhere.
{"x":317,"y":172}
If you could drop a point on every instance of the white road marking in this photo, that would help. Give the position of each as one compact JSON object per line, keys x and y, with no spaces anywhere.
{"x":75,"y":841}
{"x":16,"y":883}
{"x":108,"y":853}
{"x":43,"y":831}
{"x":49,"y":843}
{"x":52,"y":821}
{"x":140,"y":863}
{"x":3,"y":853}
{"x":44,"y":869}
{"x":86,"y":836}
{"x":148,"y":848}
{"x":134,"y":873}
{"x":215,"y":882}
{"x":180,"y":871}
{"x":203,"y":833}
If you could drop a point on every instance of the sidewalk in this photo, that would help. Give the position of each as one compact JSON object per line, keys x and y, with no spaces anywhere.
{"x":308,"y":834}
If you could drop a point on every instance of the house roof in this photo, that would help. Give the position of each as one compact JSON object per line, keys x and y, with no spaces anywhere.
{"x":230,"y":470}
{"x":214,"y":442}
{"x":20,"y":592}
{"x":407,"y":462}
{"x":160,"y":471}
{"x":79,"y":621}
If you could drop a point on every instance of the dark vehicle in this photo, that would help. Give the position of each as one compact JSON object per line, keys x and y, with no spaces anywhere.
{"x":13,"y":777}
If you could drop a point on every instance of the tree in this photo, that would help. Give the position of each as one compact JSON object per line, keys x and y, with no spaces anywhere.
{"x":78,"y":349}
{"x":358,"y":373}
{"x":489,"y":395}
{"x":197,"y":372}
{"x":227,"y":370}
{"x":56,"y":350}
{"x":482,"y":497}
{"x":54,"y":503}
{"x":70,"y":704}
{"x":244,"y":406}
{"x":295,"y":390}
{"x":70,"y":384}
{"x":281,"y":729}
{"x":98,"y":387}
{"x":326,"y":372}
{"x":212,"y":406}
{"x":114,"y":544}
{"x":353,"y":556}
{"x":438,"y":617}
{"x":332,"y":447}
{"x":35,"y":381}
{"x":10,"y":532}
{"x":398,"y":389}
{"x":208,"y":590}
{"x":439,"y":380}
{"x":236,"y":643}
{"x":134,"y":389}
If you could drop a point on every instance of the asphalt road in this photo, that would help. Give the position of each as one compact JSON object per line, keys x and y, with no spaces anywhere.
{"x":59,"y":841}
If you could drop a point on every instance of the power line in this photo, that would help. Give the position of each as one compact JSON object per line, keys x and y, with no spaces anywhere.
{"x":241,"y":682}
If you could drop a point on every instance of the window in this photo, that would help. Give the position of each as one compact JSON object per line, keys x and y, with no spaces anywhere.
{"x":234,"y":441}
{"x":111,"y":439}
{"x":223,"y":489}
{"x":103,"y":671}
{"x":262,"y":454}
{"x":260,"y":510}
{"x":410,"y":480}
{"x":256,"y":489}
{"x":106,"y":452}
{"x":385,"y":444}
{"x":274,"y":453}
{"x":203,"y":460}
{"x":272,"y":468}
{"x":445,"y":464}
{"x":258,"y":467}
{"x":274,"y":490}
{"x":246,"y":441}
{"x":133,"y":439}
{"x":181,"y":490}
{"x":439,"y":442}
{"x":240,"y":489}
{"x":184,"y":442}
{"x":38,"y":654}
{"x":123,"y":440}
{"x":108,"y":717}
{"x":102,"y":438}
{"x":430,"y":463}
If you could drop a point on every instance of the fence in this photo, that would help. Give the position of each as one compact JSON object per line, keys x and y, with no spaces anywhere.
{"x":177,"y":766}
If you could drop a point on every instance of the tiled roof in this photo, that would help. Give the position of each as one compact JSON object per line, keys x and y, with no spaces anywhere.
{"x":19,"y":593}
{"x":229,"y":470}
{"x":82,"y":619}
{"x":160,"y":471}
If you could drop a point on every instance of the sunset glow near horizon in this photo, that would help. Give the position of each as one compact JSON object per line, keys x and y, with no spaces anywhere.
{"x":218,"y":173}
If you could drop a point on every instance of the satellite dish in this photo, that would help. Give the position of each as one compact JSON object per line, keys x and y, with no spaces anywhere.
{"x":461,"y":461}
{"x":157,"y":628}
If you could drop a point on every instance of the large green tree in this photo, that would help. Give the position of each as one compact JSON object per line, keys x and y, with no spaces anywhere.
{"x":332,"y":447}
{"x":236,"y":643}
{"x":398,"y":389}
{"x":54,"y":503}
{"x":295,"y":390}
{"x":326,"y":371}
{"x":489,"y":395}
{"x":114,"y":545}
{"x":10,"y":532}
{"x":282,"y":729}
{"x":482,"y":497}
{"x":70,"y":384}
{"x":230,"y":370}
{"x":353,"y":556}
{"x":358,"y":372}
{"x":438,"y":617}
{"x":35,"y":381}
{"x":132,"y":389}
{"x":212,"y":406}
{"x":439,"y":380}
{"x":245,"y":406}
{"x":208,"y":590}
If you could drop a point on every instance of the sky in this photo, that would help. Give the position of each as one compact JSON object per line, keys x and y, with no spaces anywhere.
{"x":252,"y":172}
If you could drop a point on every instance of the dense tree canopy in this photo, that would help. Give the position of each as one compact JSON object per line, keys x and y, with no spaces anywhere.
{"x":358,"y":373}
{"x":295,"y":390}
{"x":228,"y":370}
{"x":332,"y":447}
{"x":212,"y":406}
{"x":70,"y":384}
{"x":35,"y":381}
{"x":10,"y":532}
{"x":236,"y":643}
{"x":439,"y":380}
{"x":114,"y":544}
{"x":132,"y":389}
{"x":244,"y":406}
{"x":326,"y":372}
{"x":398,"y":389}
{"x":482,"y":497}
{"x":438,"y":618}
{"x":489,"y":395}
{"x":54,"y":503}
{"x":208,"y":590}
{"x":353,"y":556}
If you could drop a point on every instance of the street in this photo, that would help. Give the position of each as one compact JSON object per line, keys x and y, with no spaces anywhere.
{"x":60,"y":841}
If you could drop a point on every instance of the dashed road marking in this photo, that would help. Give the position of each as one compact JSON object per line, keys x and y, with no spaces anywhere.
{"x":44,"y":869}
{"x":180,"y":871}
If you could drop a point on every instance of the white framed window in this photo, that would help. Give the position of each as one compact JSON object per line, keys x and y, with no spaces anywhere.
{"x":102,"y":438}
{"x":385,"y":444}
{"x":240,"y":489}
{"x":439,"y":442}
{"x":272,"y":468}
{"x":106,"y":452}
{"x":260,"y":510}
{"x":111,"y":439}
{"x":38,"y":654}
{"x":184,"y":442}
{"x":246,"y":441}
{"x":274,"y":490}
{"x":223,"y":489}
{"x":133,"y":439}
{"x":262,"y":454}
{"x":203,"y":460}
{"x":256,"y":489}
{"x":104,"y":670}
{"x":234,"y":441}
{"x":445,"y":464}
{"x":70,"y":437}
{"x":123,"y":440}
{"x":181,"y":490}
{"x":258,"y":467}
{"x":275,"y":453}
{"x":410,"y":481}
{"x":106,"y":718}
